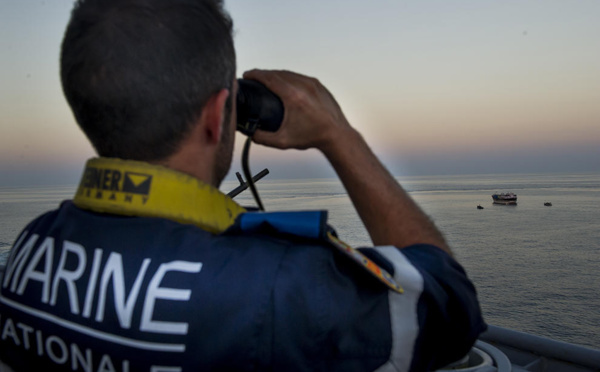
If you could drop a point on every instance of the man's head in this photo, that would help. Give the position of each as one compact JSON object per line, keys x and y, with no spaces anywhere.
{"x":137,"y":73}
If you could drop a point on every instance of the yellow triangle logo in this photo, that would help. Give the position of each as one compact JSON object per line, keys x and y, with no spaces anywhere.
{"x":137,"y":179}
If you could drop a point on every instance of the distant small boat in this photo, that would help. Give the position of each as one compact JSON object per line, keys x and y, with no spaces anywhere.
{"x":505,"y":198}
{"x":548,"y":204}
{"x":479,"y":207}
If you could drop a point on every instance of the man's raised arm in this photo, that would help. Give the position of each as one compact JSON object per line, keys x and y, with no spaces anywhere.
{"x":313,"y":119}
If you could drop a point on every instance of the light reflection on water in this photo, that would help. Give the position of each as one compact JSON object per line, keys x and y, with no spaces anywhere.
{"x":535,"y":267}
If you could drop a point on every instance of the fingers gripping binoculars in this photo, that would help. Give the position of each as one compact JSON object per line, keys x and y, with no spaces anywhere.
{"x":257,"y":108}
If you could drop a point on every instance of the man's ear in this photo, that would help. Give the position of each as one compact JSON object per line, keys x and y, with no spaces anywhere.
{"x":213,"y":115}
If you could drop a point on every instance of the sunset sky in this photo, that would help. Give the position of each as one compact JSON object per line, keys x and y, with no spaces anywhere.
{"x":436,"y":87}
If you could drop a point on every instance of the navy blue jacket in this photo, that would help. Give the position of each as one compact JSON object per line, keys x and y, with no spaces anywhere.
{"x":85,"y":291}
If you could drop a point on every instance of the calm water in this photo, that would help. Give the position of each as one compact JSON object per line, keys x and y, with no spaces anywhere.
{"x":537,"y":268}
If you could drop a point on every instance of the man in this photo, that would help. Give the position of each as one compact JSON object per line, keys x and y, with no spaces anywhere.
{"x":151,"y":268}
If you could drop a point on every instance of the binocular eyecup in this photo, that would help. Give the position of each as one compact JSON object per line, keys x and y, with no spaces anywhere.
{"x":257,"y":108}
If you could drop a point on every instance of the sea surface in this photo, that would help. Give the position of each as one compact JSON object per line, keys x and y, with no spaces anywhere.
{"x":536,"y":268}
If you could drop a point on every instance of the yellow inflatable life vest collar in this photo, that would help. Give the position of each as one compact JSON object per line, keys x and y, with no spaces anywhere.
{"x":136,"y":188}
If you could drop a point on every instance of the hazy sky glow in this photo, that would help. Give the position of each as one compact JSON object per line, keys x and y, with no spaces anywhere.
{"x":436,"y":87}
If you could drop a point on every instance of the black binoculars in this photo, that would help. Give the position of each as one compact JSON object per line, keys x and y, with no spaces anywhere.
{"x":257,"y":108}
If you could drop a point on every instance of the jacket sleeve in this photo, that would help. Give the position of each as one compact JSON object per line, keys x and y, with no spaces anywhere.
{"x":330,"y":314}
{"x":448,"y":316}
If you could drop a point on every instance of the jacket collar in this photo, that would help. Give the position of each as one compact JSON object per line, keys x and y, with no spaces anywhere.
{"x":134,"y":188}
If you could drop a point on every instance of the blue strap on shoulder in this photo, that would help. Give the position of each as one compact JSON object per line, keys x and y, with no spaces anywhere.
{"x":307,"y":224}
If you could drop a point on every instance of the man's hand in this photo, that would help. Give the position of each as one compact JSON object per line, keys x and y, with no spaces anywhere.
{"x":312,"y":119}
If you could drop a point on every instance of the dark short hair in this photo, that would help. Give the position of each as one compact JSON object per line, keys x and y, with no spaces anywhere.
{"x":137,"y":73}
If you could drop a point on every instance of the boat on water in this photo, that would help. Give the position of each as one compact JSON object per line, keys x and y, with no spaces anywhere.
{"x":548,"y":204}
{"x":507,"y":198}
{"x":505,"y":350}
